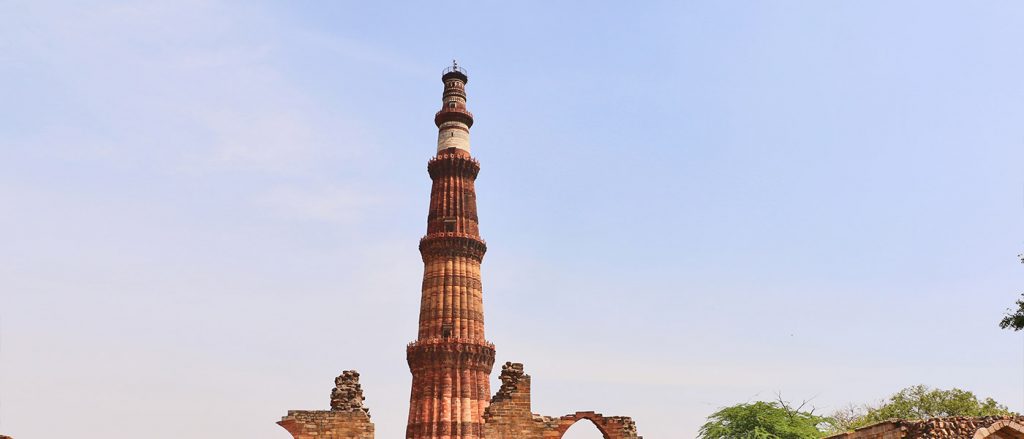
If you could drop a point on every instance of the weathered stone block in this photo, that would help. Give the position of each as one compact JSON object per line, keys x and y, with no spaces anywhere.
{"x":347,"y":418}
{"x":959,"y":427}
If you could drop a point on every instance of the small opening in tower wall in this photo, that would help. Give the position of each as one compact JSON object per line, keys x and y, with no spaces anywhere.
{"x":451,"y":105}
{"x":446,"y":330}
{"x":449,"y":224}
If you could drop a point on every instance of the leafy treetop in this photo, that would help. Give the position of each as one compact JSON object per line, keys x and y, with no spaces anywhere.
{"x":1014,"y":320}
{"x":762,"y":420}
{"x":920,"y":402}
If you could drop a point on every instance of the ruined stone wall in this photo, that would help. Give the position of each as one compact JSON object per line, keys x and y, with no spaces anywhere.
{"x":509,"y":415}
{"x":884,"y":430}
{"x":998,"y":427}
{"x":327,"y":424}
{"x":347,"y":418}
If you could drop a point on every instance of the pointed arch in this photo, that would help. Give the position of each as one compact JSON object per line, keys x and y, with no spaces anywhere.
{"x":565,"y":426}
{"x":576,"y":428}
{"x":1005,"y":429}
{"x":611,"y":427}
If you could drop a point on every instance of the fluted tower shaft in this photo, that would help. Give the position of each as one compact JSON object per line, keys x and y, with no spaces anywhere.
{"x":451,"y":360}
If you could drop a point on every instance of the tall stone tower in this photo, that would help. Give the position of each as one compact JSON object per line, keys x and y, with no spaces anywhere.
{"x":451,"y":360}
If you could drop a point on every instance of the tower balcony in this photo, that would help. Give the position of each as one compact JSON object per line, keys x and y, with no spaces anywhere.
{"x":455,"y":71}
{"x":453,"y":164}
{"x":463,"y":353}
{"x":452,"y":244}
{"x":453,"y":114}
{"x":450,"y":340}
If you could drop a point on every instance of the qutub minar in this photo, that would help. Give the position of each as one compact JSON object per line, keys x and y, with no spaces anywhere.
{"x":451,"y":360}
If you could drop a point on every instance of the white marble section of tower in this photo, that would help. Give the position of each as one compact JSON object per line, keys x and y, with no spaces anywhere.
{"x":453,"y":135}
{"x":454,"y":120}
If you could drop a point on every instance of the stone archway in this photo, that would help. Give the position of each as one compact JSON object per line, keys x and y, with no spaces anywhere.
{"x":611,"y":427}
{"x":1005,"y":429}
{"x":565,"y":424}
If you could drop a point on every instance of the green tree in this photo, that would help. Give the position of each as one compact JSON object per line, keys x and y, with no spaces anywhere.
{"x":763,"y":420}
{"x":922,"y":402}
{"x":1014,"y":319}
{"x":846,"y":418}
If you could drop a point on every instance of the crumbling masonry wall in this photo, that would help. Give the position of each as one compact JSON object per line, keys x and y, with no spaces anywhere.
{"x":987,"y":427}
{"x":327,"y":424}
{"x":347,"y":418}
{"x":509,"y":415}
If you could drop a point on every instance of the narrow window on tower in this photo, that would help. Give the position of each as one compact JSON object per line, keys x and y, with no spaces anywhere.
{"x":449,"y":224}
{"x":446,"y":330}
{"x":451,"y":105}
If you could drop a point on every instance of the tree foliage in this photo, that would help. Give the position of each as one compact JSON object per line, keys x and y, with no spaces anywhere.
{"x":1014,"y":319}
{"x":778,"y":420}
{"x":920,"y":402}
{"x":762,"y":420}
{"x":846,"y":418}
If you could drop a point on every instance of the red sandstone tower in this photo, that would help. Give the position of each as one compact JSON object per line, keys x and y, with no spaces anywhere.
{"x":451,"y":360}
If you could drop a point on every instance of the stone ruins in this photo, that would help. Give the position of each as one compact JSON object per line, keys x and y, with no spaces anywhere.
{"x":347,"y":418}
{"x":509,"y":415}
{"x":347,"y":395}
{"x":990,"y":427}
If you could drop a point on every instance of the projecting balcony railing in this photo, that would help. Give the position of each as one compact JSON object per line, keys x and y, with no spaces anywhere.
{"x":447,"y":156}
{"x":453,"y":110}
{"x":453,"y":235}
{"x":442,"y":340}
{"x":455,"y":68}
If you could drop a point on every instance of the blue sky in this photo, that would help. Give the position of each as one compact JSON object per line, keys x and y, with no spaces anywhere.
{"x":211,"y":208}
